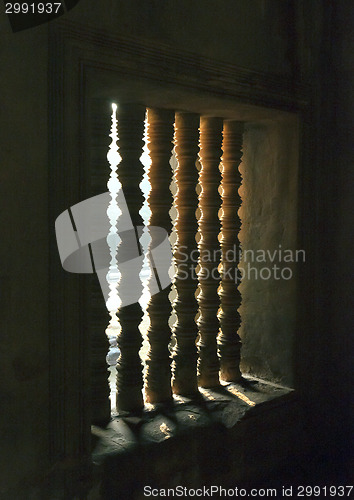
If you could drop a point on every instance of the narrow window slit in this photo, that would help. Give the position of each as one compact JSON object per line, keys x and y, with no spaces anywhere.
{"x":113,"y":274}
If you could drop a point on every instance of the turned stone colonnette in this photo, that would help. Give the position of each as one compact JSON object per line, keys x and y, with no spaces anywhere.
{"x":160,"y":143}
{"x":98,"y":129}
{"x":131,"y":118}
{"x":184,"y":381}
{"x":209,"y":250}
{"x":229,"y":342}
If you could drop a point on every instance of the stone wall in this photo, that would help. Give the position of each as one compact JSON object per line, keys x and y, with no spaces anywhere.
{"x":269,"y":238}
{"x":257,"y":34}
{"x":24,"y":336}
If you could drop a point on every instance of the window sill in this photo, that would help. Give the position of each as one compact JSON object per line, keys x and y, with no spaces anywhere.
{"x":236,"y":433}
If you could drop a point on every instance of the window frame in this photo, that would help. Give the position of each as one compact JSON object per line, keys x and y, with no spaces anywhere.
{"x":86,"y":63}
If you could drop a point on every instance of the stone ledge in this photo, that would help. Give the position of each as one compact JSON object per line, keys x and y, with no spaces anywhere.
{"x":227,"y":433}
{"x":226,"y":406}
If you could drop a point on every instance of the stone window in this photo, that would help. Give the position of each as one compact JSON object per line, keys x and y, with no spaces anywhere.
{"x":224,"y":115}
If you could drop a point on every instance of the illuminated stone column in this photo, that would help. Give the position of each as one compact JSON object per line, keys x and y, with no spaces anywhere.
{"x":185,"y":355}
{"x":160,"y":144}
{"x":209,"y":249}
{"x":229,"y":342}
{"x":130,"y":173}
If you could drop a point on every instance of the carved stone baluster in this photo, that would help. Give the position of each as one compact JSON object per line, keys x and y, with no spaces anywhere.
{"x":98,"y":318}
{"x":229,"y":342}
{"x":130,"y":173}
{"x":209,"y":249}
{"x":185,"y":355}
{"x":160,"y":143}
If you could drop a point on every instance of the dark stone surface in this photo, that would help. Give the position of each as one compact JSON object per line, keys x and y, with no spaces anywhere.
{"x":193,"y":442}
